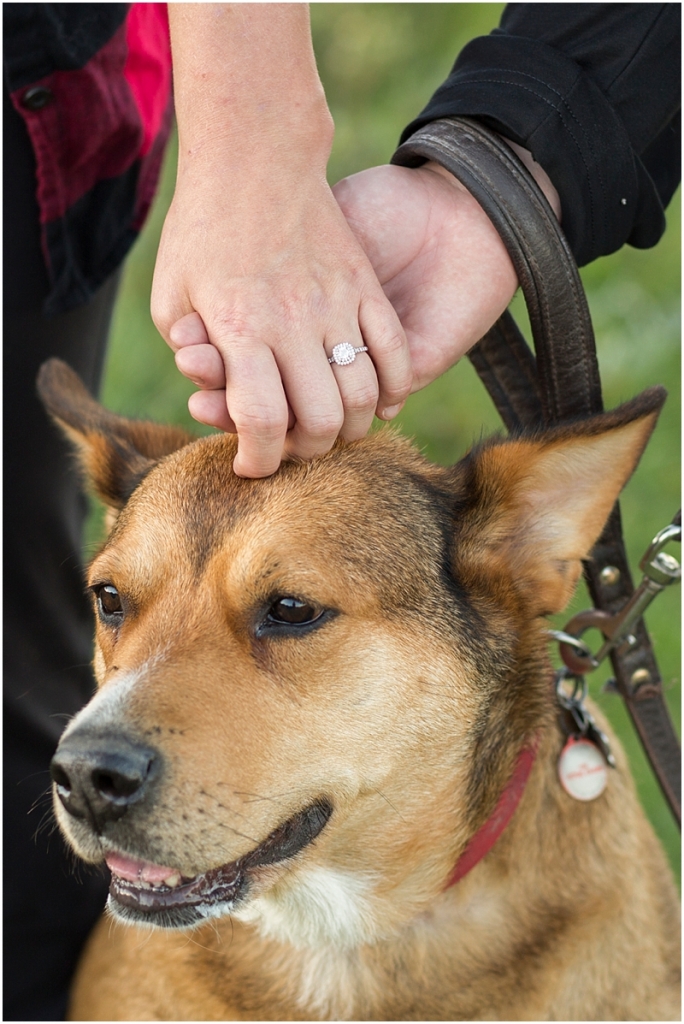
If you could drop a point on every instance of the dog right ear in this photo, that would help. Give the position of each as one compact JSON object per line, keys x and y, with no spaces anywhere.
{"x":538,"y":503}
{"x":116,"y":453}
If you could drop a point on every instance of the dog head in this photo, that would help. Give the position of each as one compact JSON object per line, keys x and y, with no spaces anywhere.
{"x":312,"y":687}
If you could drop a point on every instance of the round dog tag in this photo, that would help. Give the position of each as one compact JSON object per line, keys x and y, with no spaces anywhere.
{"x":582,"y":769}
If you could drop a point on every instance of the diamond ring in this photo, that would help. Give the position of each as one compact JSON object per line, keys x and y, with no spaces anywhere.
{"x":345,"y":353}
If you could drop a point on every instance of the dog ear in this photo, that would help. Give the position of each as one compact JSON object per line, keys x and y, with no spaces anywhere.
{"x":541,"y":502}
{"x":115,"y":452}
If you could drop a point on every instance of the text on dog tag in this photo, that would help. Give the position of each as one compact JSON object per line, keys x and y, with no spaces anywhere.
{"x":582,"y":769}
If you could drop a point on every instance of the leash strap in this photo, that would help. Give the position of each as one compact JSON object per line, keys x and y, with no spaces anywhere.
{"x":563,"y":381}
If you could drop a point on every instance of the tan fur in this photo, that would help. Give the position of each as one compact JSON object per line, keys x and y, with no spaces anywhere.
{"x":406,"y":710}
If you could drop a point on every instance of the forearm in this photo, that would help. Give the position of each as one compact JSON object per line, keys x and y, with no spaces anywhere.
{"x":247,"y":90}
{"x":254,"y":136}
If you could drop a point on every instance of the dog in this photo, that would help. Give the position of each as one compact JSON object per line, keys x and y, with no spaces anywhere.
{"x":321,"y":697}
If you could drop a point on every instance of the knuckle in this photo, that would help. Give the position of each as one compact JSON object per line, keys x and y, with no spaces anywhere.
{"x":322,"y":424}
{"x":390,"y":341}
{"x":398,"y":391}
{"x":232,"y":321}
{"x":362,"y":398}
{"x":161,"y":318}
{"x":266,"y":423}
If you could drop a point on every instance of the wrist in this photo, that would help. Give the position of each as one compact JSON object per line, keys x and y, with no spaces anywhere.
{"x":526,"y":158}
{"x":539,"y":175}
{"x":250,"y":134}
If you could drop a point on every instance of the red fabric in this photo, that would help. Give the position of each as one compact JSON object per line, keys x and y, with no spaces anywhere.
{"x":148,"y":66}
{"x":91,"y":130}
{"x":484,"y":839}
{"x":104,"y":116}
{"x":98,"y":139}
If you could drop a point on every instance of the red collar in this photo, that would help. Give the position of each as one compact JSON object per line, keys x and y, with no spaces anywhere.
{"x":483,"y":840}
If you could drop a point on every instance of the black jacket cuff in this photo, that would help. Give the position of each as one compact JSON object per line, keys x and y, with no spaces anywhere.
{"x":543,"y":100}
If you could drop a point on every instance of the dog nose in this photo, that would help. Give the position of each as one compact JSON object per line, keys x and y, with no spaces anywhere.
{"x":99,"y":777}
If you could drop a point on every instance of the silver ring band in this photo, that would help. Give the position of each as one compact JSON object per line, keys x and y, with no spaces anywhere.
{"x":345,"y":353}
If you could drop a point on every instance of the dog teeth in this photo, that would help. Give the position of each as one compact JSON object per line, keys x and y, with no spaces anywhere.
{"x":171,"y":882}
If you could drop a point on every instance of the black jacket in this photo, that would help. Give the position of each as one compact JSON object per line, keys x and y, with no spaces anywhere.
{"x":593,"y":91}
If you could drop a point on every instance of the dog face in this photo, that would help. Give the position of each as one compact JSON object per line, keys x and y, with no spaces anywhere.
{"x":311,"y":688}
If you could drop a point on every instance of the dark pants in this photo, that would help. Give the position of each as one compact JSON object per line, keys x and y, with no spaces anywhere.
{"x":50,"y":904}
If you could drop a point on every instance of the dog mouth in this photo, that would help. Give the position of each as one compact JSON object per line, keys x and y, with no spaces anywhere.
{"x":145,"y":893}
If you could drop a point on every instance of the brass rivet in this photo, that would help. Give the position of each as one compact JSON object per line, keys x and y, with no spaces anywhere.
{"x":610,"y":575}
{"x":641,"y":676}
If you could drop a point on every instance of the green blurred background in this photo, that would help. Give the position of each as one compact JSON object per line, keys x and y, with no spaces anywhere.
{"x":379,"y":64}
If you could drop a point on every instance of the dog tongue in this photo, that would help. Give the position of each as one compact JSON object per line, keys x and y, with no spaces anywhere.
{"x":138,"y":870}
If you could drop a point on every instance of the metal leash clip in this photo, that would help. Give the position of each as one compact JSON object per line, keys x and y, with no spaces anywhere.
{"x":576,"y":720}
{"x":660,"y":571}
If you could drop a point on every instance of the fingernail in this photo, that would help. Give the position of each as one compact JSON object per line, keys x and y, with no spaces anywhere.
{"x":390,"y":412}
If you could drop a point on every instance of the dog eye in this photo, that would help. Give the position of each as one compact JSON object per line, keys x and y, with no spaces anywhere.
{"x":109,"y":603}
{"x":292,"y":611}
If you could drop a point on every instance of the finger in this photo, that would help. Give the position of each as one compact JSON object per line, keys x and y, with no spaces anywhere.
{"x":210,"y":407}
{"x":357,"y":383}
{"x":257,"y":405}
{"x":389,"y":350}
{"x":315,"y":400}
{"x":202,"y":364}
{"x":189,"y":330}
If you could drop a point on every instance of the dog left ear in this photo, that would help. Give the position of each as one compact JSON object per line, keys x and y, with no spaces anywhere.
{"x":115,"y":452}
{"x":541,"y":503}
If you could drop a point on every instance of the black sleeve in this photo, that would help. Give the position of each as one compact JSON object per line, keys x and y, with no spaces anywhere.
{"x":593,"y":91}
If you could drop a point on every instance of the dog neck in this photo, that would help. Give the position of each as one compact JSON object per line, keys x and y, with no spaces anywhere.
{"x":484,"y":839}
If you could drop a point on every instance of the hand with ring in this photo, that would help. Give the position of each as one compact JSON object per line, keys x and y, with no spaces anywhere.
{"x":258,"y":275}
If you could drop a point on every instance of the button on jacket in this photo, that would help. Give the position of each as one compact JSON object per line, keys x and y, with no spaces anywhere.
{"x":93,"y":85}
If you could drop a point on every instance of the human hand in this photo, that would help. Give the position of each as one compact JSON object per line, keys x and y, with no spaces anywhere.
{"x":440,"y":260}
{"x":438,"y":256}
{"x":258,"y":275}
{"x":277,"y":281}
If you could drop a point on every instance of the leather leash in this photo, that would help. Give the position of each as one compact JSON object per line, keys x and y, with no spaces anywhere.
{"x":561,"y":383}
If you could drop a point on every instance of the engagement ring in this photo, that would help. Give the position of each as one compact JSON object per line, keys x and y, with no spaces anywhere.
{"x":345,"y":353}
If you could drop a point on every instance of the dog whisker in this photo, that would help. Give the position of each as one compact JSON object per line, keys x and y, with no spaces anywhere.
{"x":200,"y":945}
{"x":387,"y":800}
{"x":217,"y":819}
{"x":33,"y":775}
{"x":47,"y":824}
{"x":46,"y":795}
{"x":146,"y":938}
{"x":259,"y":797}
{"x":242,"y":835}
{"x":231,"y":810}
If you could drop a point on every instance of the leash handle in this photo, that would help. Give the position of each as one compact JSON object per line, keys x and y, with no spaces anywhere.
{"x":567,"y":367}
{"x":563,"y":382}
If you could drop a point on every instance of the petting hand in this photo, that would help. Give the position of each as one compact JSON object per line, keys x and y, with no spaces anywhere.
{"x":272,"y":294}
{"x":258,"y":275}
